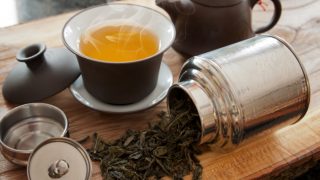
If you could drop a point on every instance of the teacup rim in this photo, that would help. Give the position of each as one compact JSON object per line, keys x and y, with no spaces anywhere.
{"x":112,"y":62}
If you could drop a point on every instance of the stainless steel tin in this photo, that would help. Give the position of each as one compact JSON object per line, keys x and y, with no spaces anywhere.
{"x":59,"y":158}
{"x":245,"y":88}
{"x":23,"y":128}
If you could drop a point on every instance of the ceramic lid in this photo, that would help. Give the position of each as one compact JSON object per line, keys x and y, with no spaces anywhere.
{"x":40,"y":73}
{"x":59,"y":158}
{"x":217,"y":3}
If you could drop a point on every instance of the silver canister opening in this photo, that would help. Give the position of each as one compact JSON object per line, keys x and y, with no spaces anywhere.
{"x":201,"y":103}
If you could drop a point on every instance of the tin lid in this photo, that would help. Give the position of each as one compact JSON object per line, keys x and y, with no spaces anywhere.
{"x":59,"y":158}
{"x":40,"y":73}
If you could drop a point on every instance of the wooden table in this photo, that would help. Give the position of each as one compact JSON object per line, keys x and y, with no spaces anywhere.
{"x":282,"y":153}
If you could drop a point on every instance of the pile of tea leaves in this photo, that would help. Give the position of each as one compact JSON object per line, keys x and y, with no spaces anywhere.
{"x":167,"y":148}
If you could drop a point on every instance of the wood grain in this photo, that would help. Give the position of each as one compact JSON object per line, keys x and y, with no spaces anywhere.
{"x":275,"y":155}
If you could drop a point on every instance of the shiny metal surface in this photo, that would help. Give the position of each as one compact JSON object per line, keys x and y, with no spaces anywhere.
{"x":59,"y":158}
{"x":23,"y":128}
{"x":253,"y":85}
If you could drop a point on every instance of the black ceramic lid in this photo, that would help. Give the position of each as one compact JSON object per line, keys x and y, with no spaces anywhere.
{"x":40,"y":73}
{"x":217,"y":3}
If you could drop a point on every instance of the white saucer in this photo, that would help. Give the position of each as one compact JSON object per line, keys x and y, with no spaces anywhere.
{"x":156,"y":96}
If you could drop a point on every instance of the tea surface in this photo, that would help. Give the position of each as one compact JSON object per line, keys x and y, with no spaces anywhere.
{"x":118,"y":43}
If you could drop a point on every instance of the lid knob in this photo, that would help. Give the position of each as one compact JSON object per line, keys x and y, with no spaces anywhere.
{"x":58,"y":169}
{"x":31,"y":53}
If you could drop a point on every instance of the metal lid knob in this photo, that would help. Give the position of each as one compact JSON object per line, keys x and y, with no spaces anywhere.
{"x":58,"y":168}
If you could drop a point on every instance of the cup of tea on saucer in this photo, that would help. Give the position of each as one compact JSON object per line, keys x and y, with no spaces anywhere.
{"x":119,"y":48}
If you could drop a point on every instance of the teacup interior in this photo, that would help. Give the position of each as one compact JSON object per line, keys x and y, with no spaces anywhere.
{"x":112,"y":14}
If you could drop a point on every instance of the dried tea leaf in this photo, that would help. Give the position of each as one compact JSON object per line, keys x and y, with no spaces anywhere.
{"x":197,"y":173}
{"x":128,"y":140}
{"x":136,"y":155}
{"x":160,"y":151}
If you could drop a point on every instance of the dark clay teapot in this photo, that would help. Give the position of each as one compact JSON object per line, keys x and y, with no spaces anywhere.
{"x":204,"y":25}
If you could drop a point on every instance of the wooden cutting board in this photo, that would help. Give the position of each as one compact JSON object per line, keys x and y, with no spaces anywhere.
{"x":286,"y":152}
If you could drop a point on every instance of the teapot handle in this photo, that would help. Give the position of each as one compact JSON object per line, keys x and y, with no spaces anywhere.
{"x":275,"y":18}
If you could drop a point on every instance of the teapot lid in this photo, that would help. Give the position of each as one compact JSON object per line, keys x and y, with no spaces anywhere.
{"x":217,"y":3}
{"x":40,"y":73}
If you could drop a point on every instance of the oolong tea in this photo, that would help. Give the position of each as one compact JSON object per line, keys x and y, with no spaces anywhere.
{"x":118,"y":43}
{"x":167,"y":148}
